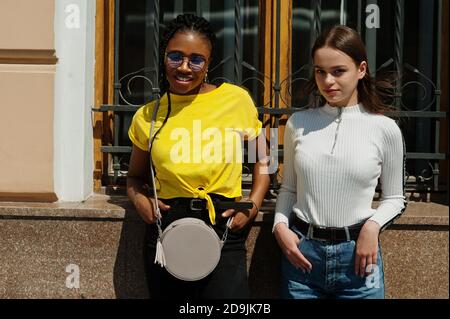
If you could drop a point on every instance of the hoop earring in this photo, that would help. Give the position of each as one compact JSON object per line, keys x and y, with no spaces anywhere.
{"x":205,"y":79}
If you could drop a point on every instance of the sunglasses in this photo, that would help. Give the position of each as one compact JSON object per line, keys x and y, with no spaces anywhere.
{"x":195,"y":62}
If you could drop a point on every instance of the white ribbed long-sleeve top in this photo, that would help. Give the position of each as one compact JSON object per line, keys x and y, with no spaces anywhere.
{"x":333,"y":158}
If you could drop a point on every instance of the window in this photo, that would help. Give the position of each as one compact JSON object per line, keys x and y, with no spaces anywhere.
{"x":273,"y":66}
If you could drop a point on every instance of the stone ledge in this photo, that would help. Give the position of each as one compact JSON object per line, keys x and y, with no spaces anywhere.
{"x":97,"y":207}
{"x":36,"y":250}
{"x":115,"y":207}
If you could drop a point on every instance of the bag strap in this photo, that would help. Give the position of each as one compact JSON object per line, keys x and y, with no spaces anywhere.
{"x":152,"y":173}
{"x":225,"y":233}
{"x":159,"y":257}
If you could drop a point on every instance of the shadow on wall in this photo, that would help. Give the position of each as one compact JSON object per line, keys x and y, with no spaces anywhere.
{"x":129,"y":276}
{"x":264,"y":270}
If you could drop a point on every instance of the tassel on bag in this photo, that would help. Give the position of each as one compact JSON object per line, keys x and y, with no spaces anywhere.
{"x":159,"y":257}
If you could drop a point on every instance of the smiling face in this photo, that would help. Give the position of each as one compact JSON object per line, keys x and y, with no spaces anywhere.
{"x":192,"y":46}
{"x":337,"y":76}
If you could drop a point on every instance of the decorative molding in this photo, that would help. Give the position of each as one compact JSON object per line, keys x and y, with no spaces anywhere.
{"x":24,"y":56}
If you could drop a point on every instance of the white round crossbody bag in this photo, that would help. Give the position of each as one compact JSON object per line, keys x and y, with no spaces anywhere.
{"x":189,"y":249}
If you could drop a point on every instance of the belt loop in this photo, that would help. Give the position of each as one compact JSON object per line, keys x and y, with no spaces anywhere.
{"x":347,"y":233}
{"x":309,"y":235}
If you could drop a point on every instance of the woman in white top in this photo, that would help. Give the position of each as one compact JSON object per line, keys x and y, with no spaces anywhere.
{"x":334,"y":156}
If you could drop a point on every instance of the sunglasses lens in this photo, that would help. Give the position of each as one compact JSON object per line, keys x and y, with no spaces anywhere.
{"x":196,"y":63}
{"x":174,"y":59}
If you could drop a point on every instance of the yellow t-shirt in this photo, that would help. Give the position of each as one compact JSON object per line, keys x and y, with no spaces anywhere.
{"x":199,"y":149}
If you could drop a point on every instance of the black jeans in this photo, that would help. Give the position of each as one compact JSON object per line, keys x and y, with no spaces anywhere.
{"x":228,"y":280}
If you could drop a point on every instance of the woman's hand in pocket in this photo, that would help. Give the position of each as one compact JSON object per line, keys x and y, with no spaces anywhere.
{"x":289,"y":242}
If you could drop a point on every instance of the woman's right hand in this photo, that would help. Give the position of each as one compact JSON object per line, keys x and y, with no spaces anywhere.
{"x":288,"y":242}
{"x":145,"y":206}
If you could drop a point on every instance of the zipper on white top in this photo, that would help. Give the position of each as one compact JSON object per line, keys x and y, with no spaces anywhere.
{"x":338,"y":120}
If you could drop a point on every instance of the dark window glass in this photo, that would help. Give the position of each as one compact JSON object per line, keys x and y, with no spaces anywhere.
{"x":417,"y":54}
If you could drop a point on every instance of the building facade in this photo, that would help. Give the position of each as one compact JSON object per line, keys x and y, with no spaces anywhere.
{"x":73,"y":72}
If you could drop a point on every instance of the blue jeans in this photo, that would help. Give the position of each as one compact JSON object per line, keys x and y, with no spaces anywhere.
{"x":332,"y":274}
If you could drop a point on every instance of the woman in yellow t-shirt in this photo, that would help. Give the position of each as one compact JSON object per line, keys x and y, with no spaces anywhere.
{"x":196,"y":151}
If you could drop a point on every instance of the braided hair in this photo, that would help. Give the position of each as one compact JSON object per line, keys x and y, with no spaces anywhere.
{"x":183,"y":22}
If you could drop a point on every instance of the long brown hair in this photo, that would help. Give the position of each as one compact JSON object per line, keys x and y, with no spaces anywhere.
{"x":374,"y":94}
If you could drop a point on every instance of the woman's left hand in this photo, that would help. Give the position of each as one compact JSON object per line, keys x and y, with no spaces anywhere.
{"x":366,"y":247}
{"x":241,"y":217}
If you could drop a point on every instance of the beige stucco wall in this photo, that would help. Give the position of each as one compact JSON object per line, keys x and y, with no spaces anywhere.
{"x":26,"y":128}
{"x":27,"y":98}
{"x":27,"y":24}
